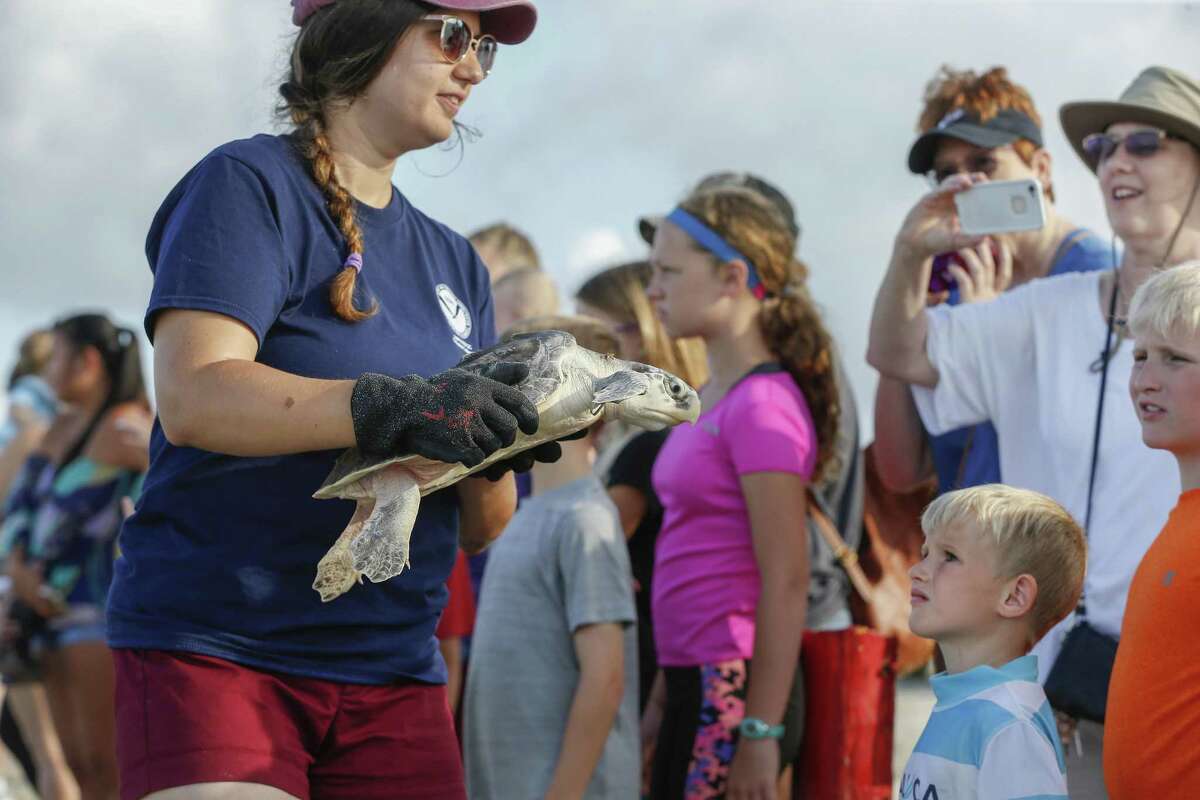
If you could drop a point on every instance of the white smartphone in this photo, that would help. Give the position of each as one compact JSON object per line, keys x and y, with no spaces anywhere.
{"x":1001,"y":207}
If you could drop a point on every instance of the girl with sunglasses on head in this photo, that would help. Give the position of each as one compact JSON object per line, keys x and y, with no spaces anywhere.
{"x":731,"y":569}
{"x":300,"y":306}
{"x":1047,"y":363}
{"x":60,"y":535}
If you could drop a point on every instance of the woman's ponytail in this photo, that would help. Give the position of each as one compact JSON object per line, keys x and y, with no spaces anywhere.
{"x":789,"y":320}
{"x":121,"y":356}
{"x":314,"y":145}
{"x":794,"y":331}
{"x":338,"y":51}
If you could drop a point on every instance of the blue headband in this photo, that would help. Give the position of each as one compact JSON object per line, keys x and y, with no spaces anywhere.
{"x":711,"y":241}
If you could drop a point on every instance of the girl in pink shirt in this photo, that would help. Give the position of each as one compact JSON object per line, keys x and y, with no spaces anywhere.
{"x":732,"y":557}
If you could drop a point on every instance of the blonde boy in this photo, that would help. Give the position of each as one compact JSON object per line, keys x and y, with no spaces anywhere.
{"x":1001,"y":567}
{"x":522,"y":295}
{"x":504,"y":249}
{"x":1154,"y":695}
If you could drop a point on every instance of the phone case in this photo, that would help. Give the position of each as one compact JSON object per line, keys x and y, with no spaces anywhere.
{"x":1001,"y":207}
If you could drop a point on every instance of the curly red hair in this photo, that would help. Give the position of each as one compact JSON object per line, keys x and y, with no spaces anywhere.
{"x":985,"y":95}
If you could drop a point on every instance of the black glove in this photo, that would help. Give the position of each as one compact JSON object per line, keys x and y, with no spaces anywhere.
{"x":546,"y":452}
{"x":455,"y":416}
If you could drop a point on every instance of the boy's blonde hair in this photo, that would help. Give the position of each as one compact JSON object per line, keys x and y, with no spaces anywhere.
{"x":526,"y":293}
{"x":509,"y":245}
{"x":1032,"y":535}
{"x":1168,"y":304}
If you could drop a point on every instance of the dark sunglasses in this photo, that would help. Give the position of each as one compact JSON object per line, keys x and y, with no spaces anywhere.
{"x":457,"y":40}
{"x":981,"y":162}
{"x":1097,"y":147}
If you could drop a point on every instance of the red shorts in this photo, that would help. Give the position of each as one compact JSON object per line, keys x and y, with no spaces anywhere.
{"x":184,"y":718}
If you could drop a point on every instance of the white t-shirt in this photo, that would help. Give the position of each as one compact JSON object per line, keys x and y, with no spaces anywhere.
{"x":1024,"y":362}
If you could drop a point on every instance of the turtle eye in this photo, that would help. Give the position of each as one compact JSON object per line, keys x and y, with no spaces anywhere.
{"x":675,"y":388}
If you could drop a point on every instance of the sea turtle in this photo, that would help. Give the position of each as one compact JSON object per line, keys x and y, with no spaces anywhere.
{"x":571,"y":386}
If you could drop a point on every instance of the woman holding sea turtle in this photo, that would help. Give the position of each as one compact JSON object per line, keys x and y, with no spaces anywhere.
{"x":291,"y":279}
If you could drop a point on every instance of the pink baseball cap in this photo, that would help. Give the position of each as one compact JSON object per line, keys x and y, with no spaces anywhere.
{"x":510,"y":21}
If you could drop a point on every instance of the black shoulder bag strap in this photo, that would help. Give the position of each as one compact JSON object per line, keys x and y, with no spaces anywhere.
{"x":1105,"y":357}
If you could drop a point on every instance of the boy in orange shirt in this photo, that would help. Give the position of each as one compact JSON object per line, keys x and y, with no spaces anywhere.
{"x":1154,"y":695}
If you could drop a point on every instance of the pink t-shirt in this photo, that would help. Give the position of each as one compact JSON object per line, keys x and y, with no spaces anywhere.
{"x":706,"y":581}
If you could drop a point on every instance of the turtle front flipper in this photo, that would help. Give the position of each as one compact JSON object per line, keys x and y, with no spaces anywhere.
{"x":380,"y":551}
{"x":375,"y":542}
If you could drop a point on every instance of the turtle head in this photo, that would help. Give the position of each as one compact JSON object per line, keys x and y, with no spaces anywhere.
{"x":646,"y":397}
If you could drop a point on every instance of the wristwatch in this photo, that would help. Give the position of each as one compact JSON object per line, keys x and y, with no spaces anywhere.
{"x":754,"y":728}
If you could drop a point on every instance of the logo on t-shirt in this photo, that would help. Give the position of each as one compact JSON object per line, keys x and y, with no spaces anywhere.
{"x":457,"y":315}
{"x":912,"y":789}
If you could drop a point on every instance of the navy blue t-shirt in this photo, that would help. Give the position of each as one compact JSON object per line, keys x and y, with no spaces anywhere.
{"x":221,"y":554}
{"x":971,"y":456}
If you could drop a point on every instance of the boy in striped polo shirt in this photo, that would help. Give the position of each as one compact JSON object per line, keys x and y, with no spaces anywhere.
{"x":1000,"y":567}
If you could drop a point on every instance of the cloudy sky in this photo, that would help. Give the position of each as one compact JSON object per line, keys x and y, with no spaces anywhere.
{"x":611,"y":110}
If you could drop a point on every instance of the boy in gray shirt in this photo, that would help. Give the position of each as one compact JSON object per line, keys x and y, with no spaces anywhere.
{"x":551,"y":701}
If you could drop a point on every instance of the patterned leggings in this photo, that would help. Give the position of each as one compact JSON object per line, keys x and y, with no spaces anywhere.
{"x":699,"y":733}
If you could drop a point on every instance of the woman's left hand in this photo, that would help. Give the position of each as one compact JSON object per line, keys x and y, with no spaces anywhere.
{"x":988,"y":271}
{"x":754,"y":773}
{"x":545,"y":453}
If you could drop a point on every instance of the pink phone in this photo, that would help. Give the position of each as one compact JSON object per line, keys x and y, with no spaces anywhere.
{"x":940,"y":277}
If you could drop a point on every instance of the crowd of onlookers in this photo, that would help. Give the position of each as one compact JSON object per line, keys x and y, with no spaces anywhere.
{"x":635,"y":629}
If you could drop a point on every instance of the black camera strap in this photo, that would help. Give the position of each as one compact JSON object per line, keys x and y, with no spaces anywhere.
{"x":1105,"y":357}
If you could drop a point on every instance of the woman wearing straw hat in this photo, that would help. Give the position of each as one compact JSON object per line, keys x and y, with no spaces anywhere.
{"x":1048,"y":362}
{"x":1119,"y":141}
{"x":292,"y":284}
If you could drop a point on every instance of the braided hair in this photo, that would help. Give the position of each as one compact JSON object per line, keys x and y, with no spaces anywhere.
{"x":339,"y":50}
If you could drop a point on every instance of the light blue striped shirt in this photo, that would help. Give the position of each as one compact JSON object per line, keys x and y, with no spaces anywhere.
{"x":991,"y":736}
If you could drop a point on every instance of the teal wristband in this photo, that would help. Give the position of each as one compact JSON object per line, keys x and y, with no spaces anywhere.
{"x":754,"y":728}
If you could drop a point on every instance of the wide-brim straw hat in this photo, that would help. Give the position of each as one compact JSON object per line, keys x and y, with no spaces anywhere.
{"x":1162,"y":97}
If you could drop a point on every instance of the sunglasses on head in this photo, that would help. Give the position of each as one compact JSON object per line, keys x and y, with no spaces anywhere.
{"x":1097,"y":147}
{"x":457,"y":40}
